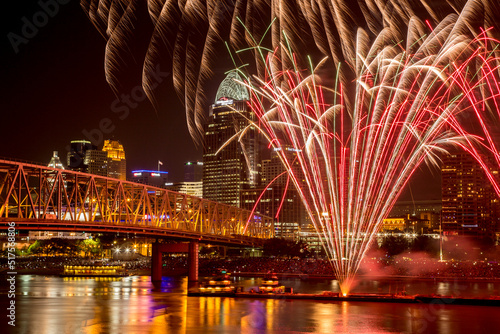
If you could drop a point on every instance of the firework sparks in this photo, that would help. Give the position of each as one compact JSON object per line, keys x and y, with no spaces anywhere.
{"x":187,"y":35}
{"x":356,"y":161}
{"x":357,"y":143}
{"x":484,"y":117}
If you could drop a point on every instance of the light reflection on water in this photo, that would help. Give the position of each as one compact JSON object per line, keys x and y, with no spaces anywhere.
{"x":130,"y":305}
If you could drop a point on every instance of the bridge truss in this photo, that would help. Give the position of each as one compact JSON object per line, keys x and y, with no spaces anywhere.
{"x":33,"y":193}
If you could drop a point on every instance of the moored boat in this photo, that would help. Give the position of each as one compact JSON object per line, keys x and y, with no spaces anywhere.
{"x":219,"y":283}
{"x":270,"y":284}
{"x":94,"y":271}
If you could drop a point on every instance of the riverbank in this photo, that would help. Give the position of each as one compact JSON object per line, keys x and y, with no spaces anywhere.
{"x":281,"y":276}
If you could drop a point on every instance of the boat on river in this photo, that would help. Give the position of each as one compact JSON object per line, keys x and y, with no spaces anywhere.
{"x":270,"y":284}
{"x":219,"y":283}
{"x":94,"y":271}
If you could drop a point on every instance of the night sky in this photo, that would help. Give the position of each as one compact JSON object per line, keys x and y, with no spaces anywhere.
{"x":54,"y":91}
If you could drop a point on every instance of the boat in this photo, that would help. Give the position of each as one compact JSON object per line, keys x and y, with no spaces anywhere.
{"x":94,"y":271}
{"x":270,"y":284}
{"x":219,"y":283}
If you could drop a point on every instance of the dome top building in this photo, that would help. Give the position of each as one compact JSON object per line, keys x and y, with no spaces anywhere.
{"x":230,"y":89}
{"x":235,"y":166}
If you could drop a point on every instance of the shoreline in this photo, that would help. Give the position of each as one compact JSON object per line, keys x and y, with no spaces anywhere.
{"x":180,"y":273}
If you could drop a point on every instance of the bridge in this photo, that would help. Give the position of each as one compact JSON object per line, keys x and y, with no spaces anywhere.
{"x":36,"y":197}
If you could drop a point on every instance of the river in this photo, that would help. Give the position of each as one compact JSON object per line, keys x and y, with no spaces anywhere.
{"x":51,"y":304}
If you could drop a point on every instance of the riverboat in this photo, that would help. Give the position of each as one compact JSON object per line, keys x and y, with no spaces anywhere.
{"x":270,"y":284}
{"x":219,"y":283}
{"x":94,"y":271}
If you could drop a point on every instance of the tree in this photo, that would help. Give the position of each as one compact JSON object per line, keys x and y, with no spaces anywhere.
{"x":281,"y":247}
{"x":393,"y":245}
{"x":90,"y":247}
{"x":35,"y":248}
{"x":427,"y":244}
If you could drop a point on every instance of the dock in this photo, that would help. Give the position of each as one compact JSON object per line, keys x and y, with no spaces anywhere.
{"x":358,"y":297}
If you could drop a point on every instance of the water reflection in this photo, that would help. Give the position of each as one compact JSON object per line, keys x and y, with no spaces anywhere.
{"x":131,"y":305}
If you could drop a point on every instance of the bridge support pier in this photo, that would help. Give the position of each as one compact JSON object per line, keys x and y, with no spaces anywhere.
{"x":193,"y":261}
{"x":157,"y":263}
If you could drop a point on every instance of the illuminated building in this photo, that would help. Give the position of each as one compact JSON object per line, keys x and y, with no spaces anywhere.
{"x":55,"y":162}
{"x":286,"y":208}
{"x":96,"y":162}
{"x":189,"y":188}
{"x":470,"y":206}
{"x":117,"y":164}
{"x":394,"y":224}
{"x":406,"y":224}
{"x":236,"y":166}
{"x":76,"y":155}
{"x":44,"y":235}
{"x":151,"y":177}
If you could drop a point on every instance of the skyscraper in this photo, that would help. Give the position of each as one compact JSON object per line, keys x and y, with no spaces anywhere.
{"x":279,"y":202}
{"x":55,"y":162}
{"x":279,"y":197}
{"x":193,"y":171}
{"x":96,"y":162}
{"x":470,"y":206}
{"x":229,"y":164}
{"x":117,"y":164}
{"x":76,"y":155}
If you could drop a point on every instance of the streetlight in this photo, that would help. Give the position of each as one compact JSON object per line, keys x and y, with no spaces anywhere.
{"x":441,"y":237}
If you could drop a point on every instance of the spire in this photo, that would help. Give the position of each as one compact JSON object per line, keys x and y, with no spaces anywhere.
{"x":55,"y":162}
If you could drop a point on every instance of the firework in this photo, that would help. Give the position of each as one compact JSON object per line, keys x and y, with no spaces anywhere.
{"x":355,"y":160}
{"x":484,"y":118}
{"x":391,"y":106}
{"x":186,"y":36}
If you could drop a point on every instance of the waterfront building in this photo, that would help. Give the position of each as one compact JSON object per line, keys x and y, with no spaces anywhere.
{"x":406,"y":224}
{"x":117,"y":164}
{"x":279,"y":202}
{"x":309,"y":235}
{"x":469,"y":204}
{"x":229,"y":165}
